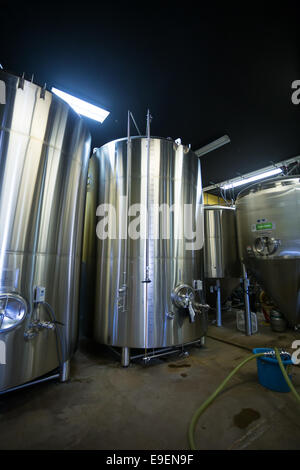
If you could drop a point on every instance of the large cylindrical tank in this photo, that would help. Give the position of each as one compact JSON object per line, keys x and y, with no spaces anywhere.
{"x":44,"y":151}
{"x":148,"y":285}
{"x":268,"y":221}
{"x":221,"y":258}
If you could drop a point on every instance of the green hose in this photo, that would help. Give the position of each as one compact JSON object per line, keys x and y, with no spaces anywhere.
{"x":214,"y":395}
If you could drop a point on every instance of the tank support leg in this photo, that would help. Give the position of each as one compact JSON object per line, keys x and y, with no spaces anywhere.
{"x":248,"y":323}
{"x":65,"y":371}
{"x":202,"y":340}
{"x":125,"y":359}
{"x":219,"y":310}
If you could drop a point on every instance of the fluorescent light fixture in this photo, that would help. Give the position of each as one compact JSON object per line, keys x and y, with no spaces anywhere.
{"x":82,"y":107}
{"x":257,"y":177}
{"x":213,"y":145}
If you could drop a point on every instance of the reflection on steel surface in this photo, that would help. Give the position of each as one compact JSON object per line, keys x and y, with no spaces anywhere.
{"x":44,"y":150}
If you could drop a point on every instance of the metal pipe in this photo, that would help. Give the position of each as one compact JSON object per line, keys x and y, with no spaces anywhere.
{"x":253,"y":173}
{"x":219,"y":310}
{"x":28,"y":384}
{"x":138,"y":356}
{"x":136,"y":126}
{"x":167,"y":349}
{"x":125,"y":354}
{"x":128,"y":197}
{"x":191,"y":342}
{"x":248,"y":322}
{"x":125,"y":359}
{"x":225,"y":139}
{"x":147,"y":267}
{"x":167,"y":353}
{"x":113,"y":350}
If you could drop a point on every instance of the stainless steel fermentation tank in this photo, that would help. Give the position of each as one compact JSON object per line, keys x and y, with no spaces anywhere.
{"x":268,"y":220}
{"x":44,"y":151}
{"x":222,"y":267}
{"x":149,"y":288}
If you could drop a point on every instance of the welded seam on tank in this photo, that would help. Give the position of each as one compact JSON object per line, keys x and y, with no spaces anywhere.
{"x":128,"y":197}
{"x":42,"y":141}
{"x":147,"y":278}
{"x":37,"y":225}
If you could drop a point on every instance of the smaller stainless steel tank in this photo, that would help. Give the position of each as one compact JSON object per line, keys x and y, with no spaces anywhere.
{"x":268,"y":222}
{"x":222,"y":268}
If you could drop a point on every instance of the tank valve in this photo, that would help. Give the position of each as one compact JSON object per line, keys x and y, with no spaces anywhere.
{"x":30,"y":333}
{"x":170,"y":315}
{"x":201,"y":307}
{"x":37,"y":325}
{"x":191,"y":312}
{"x":46,"y":324}
{"x":183,"y":296}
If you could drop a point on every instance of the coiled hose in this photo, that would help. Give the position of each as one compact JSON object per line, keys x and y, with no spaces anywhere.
{"x":211,"y":398}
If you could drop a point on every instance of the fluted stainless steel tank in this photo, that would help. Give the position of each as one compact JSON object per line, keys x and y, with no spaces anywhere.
{"x":268,"y":221}
{"x":149,"y":285}
{"x":44,"y":151}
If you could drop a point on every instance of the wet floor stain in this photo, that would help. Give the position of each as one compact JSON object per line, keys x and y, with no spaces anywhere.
{"x":245,"y":417}
{"x":183,"y":375}
{"x":83,"y":380}
{"x":178,"y":366}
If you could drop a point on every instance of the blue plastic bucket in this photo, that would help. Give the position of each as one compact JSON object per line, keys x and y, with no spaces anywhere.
{"x":269,"y":373}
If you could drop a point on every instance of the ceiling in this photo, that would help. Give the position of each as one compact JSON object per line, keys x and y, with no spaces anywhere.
{"x":203,"y":72}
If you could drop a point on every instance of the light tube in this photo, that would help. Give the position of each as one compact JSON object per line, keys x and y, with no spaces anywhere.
{"x":82,"y":107}
{"x":257,"y":177}
{"x":213,"y":145}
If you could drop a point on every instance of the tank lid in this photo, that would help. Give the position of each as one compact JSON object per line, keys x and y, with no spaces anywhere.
{"x":268,"y":184}
{"x":216,"y":207}
{"x":137,"y":137}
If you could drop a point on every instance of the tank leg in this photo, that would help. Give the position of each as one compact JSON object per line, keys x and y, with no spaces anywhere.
{"x":125,"y":359}
{"x":65,"y":371}
{"x":219,"y":309}
{"x":248,"y":323}
{"x":202,"y":340}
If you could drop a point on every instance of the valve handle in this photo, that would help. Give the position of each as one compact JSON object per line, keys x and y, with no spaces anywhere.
{"x":191,"y":312}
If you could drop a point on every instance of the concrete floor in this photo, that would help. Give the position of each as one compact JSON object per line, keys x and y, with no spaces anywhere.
{"x":104,"y":406}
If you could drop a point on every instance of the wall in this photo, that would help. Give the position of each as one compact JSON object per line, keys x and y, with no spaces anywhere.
{"x":211,"y":199}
